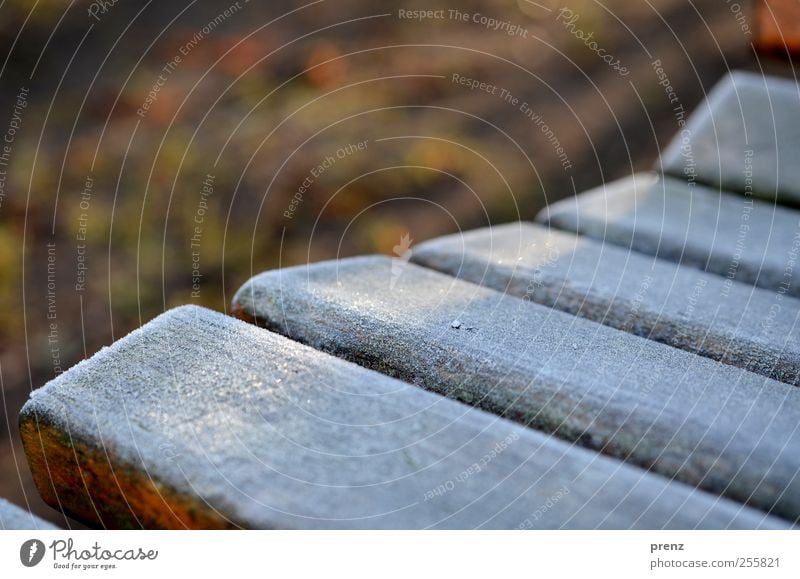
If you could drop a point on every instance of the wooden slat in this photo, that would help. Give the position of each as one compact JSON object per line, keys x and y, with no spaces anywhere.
{"x":745,"y":138}
{"x":14,"y":518}
{"x":754,"y":329}
{"x":201,"y":420}
{"x":732,"y":236}
{"x":778,"y":27}
{"x":685,"y":416}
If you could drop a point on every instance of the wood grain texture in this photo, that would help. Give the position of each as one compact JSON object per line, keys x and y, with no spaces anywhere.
{"x":201,"y":420}
{"x":745,"y":138}
{"x":754,"y":329}
{"x":739,"y":238}
{"x":679,"y":414}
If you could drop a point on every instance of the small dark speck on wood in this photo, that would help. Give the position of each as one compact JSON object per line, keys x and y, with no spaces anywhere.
{"x":456,"y":325}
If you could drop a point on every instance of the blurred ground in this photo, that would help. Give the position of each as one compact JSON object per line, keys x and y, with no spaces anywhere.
{"x":166,"y":151}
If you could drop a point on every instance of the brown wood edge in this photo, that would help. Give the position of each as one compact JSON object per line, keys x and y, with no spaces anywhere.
{"x":86,"y":483}
{"x":240,"y":313}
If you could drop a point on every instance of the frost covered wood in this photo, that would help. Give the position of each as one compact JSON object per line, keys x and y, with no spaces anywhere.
{"x":739,"y":238}
{"x":755,"y":329}
{"x":200,"y":420}
{"x":712,"y":425}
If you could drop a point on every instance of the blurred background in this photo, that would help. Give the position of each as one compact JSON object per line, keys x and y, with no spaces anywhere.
{"x":160,"y":153}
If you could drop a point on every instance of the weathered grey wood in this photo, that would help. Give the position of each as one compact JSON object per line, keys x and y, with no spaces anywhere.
{"x":735,"y":323}
{"x":14,"y":518}
{"x":736,"y":237}
{"x":706,"y":423}
{"x":745,"y":137}
{"x":201,"y":420}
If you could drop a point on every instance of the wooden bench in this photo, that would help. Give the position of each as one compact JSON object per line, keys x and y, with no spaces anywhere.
{"x":636,"y":293}
{"x":744,"y":138}
{"x":14,"y":518}
{"x":684,"y":416}
{"x":516,"y":377}
{"x":778,"y":29}
{"x":724,"y":233}
{"x":200,"y":420}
